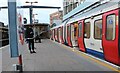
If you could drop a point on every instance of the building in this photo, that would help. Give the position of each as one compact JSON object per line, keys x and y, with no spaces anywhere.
{"x":1,"y":24}
{"x":56,"y":18}
{"x":69,"y":5}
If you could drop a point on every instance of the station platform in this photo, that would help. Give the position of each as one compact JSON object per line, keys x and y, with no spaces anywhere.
{"x":52,"y":56}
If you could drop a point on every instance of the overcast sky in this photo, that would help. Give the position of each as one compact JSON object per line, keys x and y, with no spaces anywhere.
{"x":43,"y":14}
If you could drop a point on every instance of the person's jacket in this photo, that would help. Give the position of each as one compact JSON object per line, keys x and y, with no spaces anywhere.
{"x":29,"y":33}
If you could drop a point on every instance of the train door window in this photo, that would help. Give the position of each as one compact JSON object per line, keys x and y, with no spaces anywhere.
{"x":87,"y":30}
{"x":110,"y":28}
{"x":59,"y":29}
{"x":62,"y":31}
{"x":75,"y":30}
{"x":68,"y":30}
{"x":98,"y":29}
{"x":53,"y":32}
{"x":80,"y":29}
{"x":56,"y":32}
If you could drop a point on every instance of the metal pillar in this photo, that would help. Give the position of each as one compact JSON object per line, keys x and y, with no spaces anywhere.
{"x":13,"y":40}
{"x":31,"y":13}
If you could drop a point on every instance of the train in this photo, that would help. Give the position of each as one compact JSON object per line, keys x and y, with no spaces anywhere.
{"x":4,"y":38}
{"x":94,"y":30}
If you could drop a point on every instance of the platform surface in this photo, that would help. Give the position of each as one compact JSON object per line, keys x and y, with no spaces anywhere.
{"x":52,"y":56}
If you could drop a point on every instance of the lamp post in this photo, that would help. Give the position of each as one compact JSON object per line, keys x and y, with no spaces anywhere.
{"x":34,"y":18}
{"x":31,"y":10}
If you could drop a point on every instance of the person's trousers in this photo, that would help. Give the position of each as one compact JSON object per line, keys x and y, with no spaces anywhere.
{"x":31,"y":44}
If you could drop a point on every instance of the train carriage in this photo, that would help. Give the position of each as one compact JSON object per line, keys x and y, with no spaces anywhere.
{"x":57,"y":34}
{"x":96,"y":31}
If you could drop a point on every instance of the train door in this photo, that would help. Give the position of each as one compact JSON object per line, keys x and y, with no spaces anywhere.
{"x":93,"y":36}
{"x":74,"y":33}
{"x":62,"y":35}
{"x":87,"y":31}
{"x":51,"y":34}
{"x":69,"y":35}
{"x":59,"y":31}
{"x":65,"y":30}
{"x":55,"y":34}
{"x":110,"y":36}
{"x":81,"y":36}
{"x":97,"y":36}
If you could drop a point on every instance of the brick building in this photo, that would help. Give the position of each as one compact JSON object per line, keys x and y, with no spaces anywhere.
{"x":56,"y":18}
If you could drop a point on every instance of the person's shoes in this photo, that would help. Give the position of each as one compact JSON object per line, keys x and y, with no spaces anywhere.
{"x":31,"y":52}
{"x":34,"y":52}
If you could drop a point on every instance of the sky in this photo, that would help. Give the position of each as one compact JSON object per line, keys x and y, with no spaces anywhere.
{"x":43,"y":14}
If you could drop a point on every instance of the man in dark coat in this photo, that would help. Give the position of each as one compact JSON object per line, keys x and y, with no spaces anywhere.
{"x":29,"y":38}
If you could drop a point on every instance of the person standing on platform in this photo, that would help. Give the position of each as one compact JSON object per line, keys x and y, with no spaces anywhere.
{"x":30,"y":39}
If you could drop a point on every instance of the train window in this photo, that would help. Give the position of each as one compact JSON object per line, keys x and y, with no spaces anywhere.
{"x":98,"y":29}
{"x":87,"y":30}
{"x":80,"y":29}
{"x":110,"y":29}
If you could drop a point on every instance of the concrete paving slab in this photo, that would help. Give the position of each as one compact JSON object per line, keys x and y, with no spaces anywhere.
{"x":51,"y":56}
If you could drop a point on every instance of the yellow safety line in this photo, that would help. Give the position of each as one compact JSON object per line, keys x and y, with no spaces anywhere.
{"x":95,"y":60}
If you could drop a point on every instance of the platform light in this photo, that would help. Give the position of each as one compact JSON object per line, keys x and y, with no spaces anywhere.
{"x":31,"y":2}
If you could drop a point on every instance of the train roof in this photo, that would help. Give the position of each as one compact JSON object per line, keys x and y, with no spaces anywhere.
{"x":59,"y":25}
{"x":87,"y":5}
{"x":93,"y":11}
{"x":111,"y":5}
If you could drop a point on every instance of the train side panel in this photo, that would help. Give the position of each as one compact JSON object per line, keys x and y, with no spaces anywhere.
{"x":81,"y":36}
